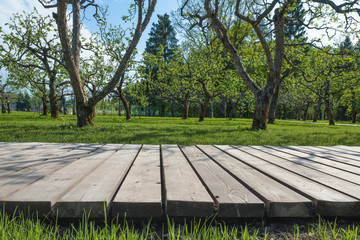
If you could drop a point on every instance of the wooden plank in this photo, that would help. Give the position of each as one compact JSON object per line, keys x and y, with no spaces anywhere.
{"x":351,"y":177}
{"x":186,"y":196}
{"x":324,"y":153}
{"x":98,"y":188}
{"x":44,"y":153}
{"x":347,"y":152}
{"x":26,"y":153}
{"x":42,"y":194}
{"x":17,"y":147}
{"x":18,"y":180}
{"x":140,"y":193}
{"x":347,"y":149}
{"x":321,"y":160}
{"x":280,"y":201}
{"x":308,"y":182}
{"x":233,"y":199}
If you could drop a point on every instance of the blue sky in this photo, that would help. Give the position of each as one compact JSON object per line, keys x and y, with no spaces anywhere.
{"x":117,"y":8}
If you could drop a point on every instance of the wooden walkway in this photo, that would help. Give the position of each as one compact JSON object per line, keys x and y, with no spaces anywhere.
{"x":180,"y":181}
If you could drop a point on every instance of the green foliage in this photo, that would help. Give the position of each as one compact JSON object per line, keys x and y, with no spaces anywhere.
{"x":23,"y":102}
{"x":295,"y":30}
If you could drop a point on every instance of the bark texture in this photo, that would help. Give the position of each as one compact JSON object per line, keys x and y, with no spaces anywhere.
{"x":126,"y":105}
{"x":203,"y":108}
{"x":273,"y":105}
{"x":317,"y":109}
{"x":45,"y":105}
{"x":261,"y":112}
{"x":328,"y":110}
{"x":54,"y":102}
{"x":186,"y":110}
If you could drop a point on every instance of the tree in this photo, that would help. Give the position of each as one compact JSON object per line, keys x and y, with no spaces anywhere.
{"x":32,"y":43}
{"x":23,"y":102}
{"x":118,"y":93}
{"x":257,"y":14}
{"x":34,"y":80}
{"x":6,"y":95}
{"x":295,"y":33}
{"x":162,"y":37}
{"x":71,"y":46}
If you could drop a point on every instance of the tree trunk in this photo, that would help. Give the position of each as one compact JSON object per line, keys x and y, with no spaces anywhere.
{"x":186,"y":109}
{"x":45,"y":105}
{"x":203,"y":108}
{"x":64,"y":105}
{"x":353,"y":115}
{"x":234,"y":107}
{"x":211,"y":110}
{"x":327,"y":103}
{"x":8,"y":107}
{"x":261,"y":111}
{"x":85,"y":115}
{"x":119,"y":113}
{"x":54,"y":104}
{"x":306,"y":109}
{"x":224,"y":108}
{"x":126,"y":105}
{"x":172,"y":108}
{"x":273,"y":105}
{"x":3,"y":108}
{"x":162,"y":112}
{"x":317,"y":109}
{"x":353,"y":108}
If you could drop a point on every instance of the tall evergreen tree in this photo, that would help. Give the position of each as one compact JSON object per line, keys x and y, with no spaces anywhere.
{"x":162,"y":37}
{"x":294,"y":29}
{"x":346,"y":46}
{"x":162,"y":34}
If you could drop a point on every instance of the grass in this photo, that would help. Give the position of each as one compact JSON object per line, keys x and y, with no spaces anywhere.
{"x":25,"y":227}
{"x":32,"y":127}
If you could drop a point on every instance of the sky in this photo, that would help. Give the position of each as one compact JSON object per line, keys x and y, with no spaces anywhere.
{"x":117,"y":8}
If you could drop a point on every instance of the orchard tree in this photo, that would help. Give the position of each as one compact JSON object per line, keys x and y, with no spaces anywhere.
{"x":174,"y":79}
{"x":71,"y":46}
{"x":162,"y":37}
{"x":6,"y":95}
{"x":32,"y":43}
{"x":34,"y":80}
{"x":260,"y":15}
{"x":118,"y":94}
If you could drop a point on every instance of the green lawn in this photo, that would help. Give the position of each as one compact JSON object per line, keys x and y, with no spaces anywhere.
{"x":31,"y":127}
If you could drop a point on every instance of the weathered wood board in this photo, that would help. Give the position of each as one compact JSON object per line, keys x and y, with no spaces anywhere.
{"x":94,"y":193}
{"x":324,"y":153}
{"x":315,"y":185}
{"x":152,"y":181}
{"x":280,"y":200}
{"x":17,"y":147}
{"x":186,"y":196}
{"x":233,"y":198}
{"x":140,"y":194}
{"x":42,"y":194}
{"x":351,"y":177}
{"x":14,"y":181}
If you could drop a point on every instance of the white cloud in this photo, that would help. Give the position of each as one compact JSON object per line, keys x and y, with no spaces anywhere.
{"x":8,"y":8}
